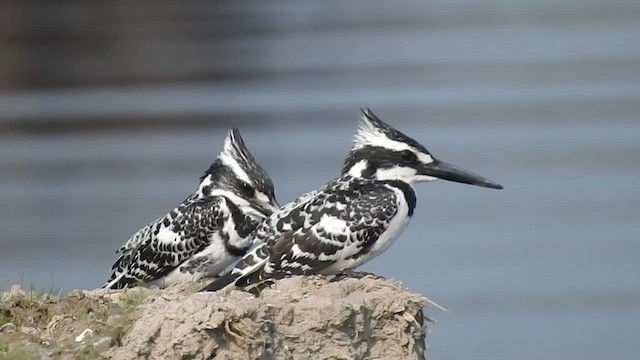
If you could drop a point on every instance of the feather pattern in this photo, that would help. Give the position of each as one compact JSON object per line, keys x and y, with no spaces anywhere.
{"x":340,"y":226}
{"x":353,"y":218}
{"x":207,"y":232}
{"x":191,"y":242}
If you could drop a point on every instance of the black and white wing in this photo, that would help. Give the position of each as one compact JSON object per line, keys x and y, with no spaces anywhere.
{"x":163,"y":245}
{"x":264,"y":231}
{"x":327,"y":232}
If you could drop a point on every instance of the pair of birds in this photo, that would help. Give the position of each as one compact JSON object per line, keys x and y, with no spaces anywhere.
{"x":234,"y":215}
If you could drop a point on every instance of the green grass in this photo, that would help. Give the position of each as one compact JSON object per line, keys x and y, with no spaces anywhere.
{"x":127,"y":308}
{"x":35,"y":308}
{"x":17,"y":353}
{"x":32,"y":299}
{"x":5,"y":315}
{"x":33,"y":291}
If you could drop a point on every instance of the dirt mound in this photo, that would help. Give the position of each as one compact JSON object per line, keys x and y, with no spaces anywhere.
{"x":298,"y":318}
{"x":79,"y":326}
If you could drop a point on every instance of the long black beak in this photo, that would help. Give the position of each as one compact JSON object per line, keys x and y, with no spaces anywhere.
{"x":445,"y":171}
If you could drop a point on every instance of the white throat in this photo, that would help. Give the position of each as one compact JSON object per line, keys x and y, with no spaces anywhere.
{"x":357,"y":169}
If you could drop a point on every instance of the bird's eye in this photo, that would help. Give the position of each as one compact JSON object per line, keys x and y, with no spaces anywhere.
{"x":246,"y":188}
{"x":408,"y":156}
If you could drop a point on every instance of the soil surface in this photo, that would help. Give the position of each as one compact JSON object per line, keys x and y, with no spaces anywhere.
{"x":297,"y":318}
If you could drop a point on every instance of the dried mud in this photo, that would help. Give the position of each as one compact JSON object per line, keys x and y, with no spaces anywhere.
{"x":297,"y":318}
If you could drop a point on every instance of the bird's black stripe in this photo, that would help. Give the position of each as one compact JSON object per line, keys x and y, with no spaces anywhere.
{"x":408,"y":192}
{"x":244,"y":225}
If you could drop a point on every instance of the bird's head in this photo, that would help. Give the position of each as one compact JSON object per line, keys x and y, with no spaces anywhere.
{"x":384,"y":153}
{"x":236,"y":175}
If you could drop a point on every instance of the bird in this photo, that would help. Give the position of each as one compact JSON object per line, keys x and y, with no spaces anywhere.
{"x":353,"y":218}
{"x":208,"y":231}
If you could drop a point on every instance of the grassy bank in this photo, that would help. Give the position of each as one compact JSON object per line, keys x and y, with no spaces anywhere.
{"x":81,"y":325}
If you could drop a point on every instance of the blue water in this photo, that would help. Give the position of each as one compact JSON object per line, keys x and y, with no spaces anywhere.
{"x":543,"y":98}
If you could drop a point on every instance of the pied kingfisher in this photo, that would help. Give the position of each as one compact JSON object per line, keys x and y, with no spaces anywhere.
{"x":208,"y":231}
{"x":353,"y":218}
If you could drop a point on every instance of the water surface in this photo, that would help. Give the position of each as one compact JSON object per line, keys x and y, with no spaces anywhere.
{"x":542,"y":98}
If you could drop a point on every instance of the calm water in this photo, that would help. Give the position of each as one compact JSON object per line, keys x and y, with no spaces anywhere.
{"x":544,"y":99}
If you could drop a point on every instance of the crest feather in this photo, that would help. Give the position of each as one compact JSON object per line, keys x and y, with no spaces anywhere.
{"x":236,"y":156}
{"x":234,"y":147}
{"x":236,"y":160}
{"x":371,"y":130}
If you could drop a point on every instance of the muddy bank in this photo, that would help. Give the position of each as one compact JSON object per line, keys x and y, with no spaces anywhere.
{"x":298,"y":318}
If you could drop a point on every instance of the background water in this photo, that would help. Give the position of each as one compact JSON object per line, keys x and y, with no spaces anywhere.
{"x":109,"y":113}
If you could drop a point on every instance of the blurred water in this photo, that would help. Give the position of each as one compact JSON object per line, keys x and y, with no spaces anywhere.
{"x":543,"y":98}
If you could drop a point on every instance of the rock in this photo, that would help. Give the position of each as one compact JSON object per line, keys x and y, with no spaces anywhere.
{"x":102,"y":343}
{"x":84,"y":334}
{"x":30,"y":331}
{"x":77,"y":294}
{"x":301,"y":318}
{"x":16,"y":291}
{"x":115,"y":319}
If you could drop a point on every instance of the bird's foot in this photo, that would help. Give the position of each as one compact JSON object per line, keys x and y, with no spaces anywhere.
{"x":257,"y":288}
{"x":346,"y":274}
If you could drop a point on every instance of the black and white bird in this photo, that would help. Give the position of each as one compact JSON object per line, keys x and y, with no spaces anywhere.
{"x":208,"y":231}
{"x":353,"y":218}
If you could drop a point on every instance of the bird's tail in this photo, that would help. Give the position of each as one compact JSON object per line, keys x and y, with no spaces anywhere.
{"x":119,"y":278}
{"x":221,"y":282}
{"x":120,"y":281}
{"x":248,"y":271}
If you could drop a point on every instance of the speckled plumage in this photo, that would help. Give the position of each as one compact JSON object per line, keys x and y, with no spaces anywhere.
{"x":334,"y":230}
{"x":205,"y":233}
{"x":340,"y":226}
{"x":353,"y":218}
